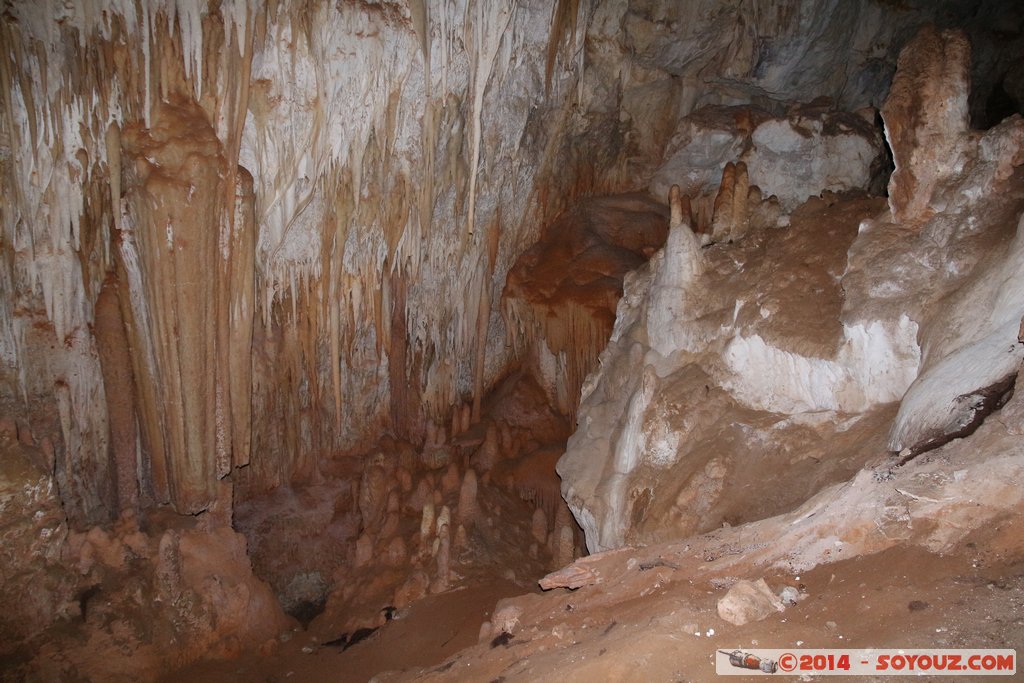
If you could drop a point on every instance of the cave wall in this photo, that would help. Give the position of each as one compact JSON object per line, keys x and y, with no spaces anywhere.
{"x":719,"y":395}
{"x":278,"y":212}
{"x":293,"y":220}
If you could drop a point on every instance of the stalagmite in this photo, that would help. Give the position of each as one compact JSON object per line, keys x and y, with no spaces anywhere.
{"x":506,"y":443}
{"x":450,"y":480}
{"x":373,"y":497}
{"x":440,"y":584}
{"x":467,"y":498}
{"x":565,"y":550}
{"x":364,"y":551}
{"x":725,"y":201}
{"x":396,"y":553}
{"x":427,"y":523}
{"x":404,"y":481}
{"x":679,"y":205}
{"x":441,"y":581}
{"x":740,"y":203}
{"x":444,"y":518}
{"x":391,"y":523}
{"x":562,"y":541}
{"x":539,"y":525}
{"x":926,"y":119}
{"x":487,"y":455}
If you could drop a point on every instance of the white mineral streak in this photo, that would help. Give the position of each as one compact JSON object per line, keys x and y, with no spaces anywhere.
{"x":492,"y":20}
{"x":875,"y":364}
{"x":375,"y":135}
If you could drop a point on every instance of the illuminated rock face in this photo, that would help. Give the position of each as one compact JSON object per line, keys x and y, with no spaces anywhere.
{"x":302,"y":221}
{"x":241,"y":241}
{"x":908,"y":336}
{"x":402,"y":155}
{"x":813,"y":149}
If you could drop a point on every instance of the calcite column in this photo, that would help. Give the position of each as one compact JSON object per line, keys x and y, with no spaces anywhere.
{"x":187,"y":252}
{"x":238,"y":271}
{"x":926,"y":118}
{"x":119,"y":391}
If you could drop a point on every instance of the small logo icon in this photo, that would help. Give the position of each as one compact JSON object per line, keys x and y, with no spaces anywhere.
{"x":745,"y":660}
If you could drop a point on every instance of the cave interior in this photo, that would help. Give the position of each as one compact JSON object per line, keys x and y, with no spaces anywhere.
{"x":506,"y":340}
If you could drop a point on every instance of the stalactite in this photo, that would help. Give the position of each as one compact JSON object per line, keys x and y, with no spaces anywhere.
{"x":563,"y":24}
{"x":242,"y":308}
{"x":492,"y":18}
{"x":330,"y":229}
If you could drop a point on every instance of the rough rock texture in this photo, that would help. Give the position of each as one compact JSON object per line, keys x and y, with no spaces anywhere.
{"x":560,"y":296}
{"x":963,"y":191}
{"x":253,"y":287}
{"x":748,"y":601}
{"x":35,"y":586}
{"x":241,"y":241}
{"x":926,"y":119}
{"x":149,"y":602}
{"x":345,"y":296}
{"x":811,"y":150}
{"x":879,"y":556}
{"x":932,"y":308}
{"x":723,"y":374}
{"x":176,"y":192}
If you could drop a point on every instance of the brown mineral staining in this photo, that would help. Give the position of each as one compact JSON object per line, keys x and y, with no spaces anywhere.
{"x":926,"y":118}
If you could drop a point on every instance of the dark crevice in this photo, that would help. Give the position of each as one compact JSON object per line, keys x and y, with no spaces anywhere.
{"x":305,"y":611}
{"x":983,"y":403}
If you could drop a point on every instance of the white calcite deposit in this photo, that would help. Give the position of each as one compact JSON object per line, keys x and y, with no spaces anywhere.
{"x":723,"y":360}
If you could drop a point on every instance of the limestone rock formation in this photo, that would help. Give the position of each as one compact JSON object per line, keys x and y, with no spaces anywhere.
{"x":559,"y":317}
{"x":335,"y":279}
{"x":887,"y":324}
{"x":926,"y":119}
{"x":813,"y":149}
{"x":34,"y":588}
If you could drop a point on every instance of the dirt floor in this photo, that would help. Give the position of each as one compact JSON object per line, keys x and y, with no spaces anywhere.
{"x":661,"y":625}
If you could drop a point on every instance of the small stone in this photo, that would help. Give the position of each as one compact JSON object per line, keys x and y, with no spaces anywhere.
{"x":748,"y":601}
{"x":506,"y":617}
{"x":789,"y":595}
{"x":572,"y":577}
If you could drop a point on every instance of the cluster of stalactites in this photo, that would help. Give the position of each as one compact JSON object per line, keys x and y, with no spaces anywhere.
{"x":376,"y":210}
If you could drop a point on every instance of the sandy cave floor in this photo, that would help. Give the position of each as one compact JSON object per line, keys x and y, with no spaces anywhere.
{"x":662,"y":626}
